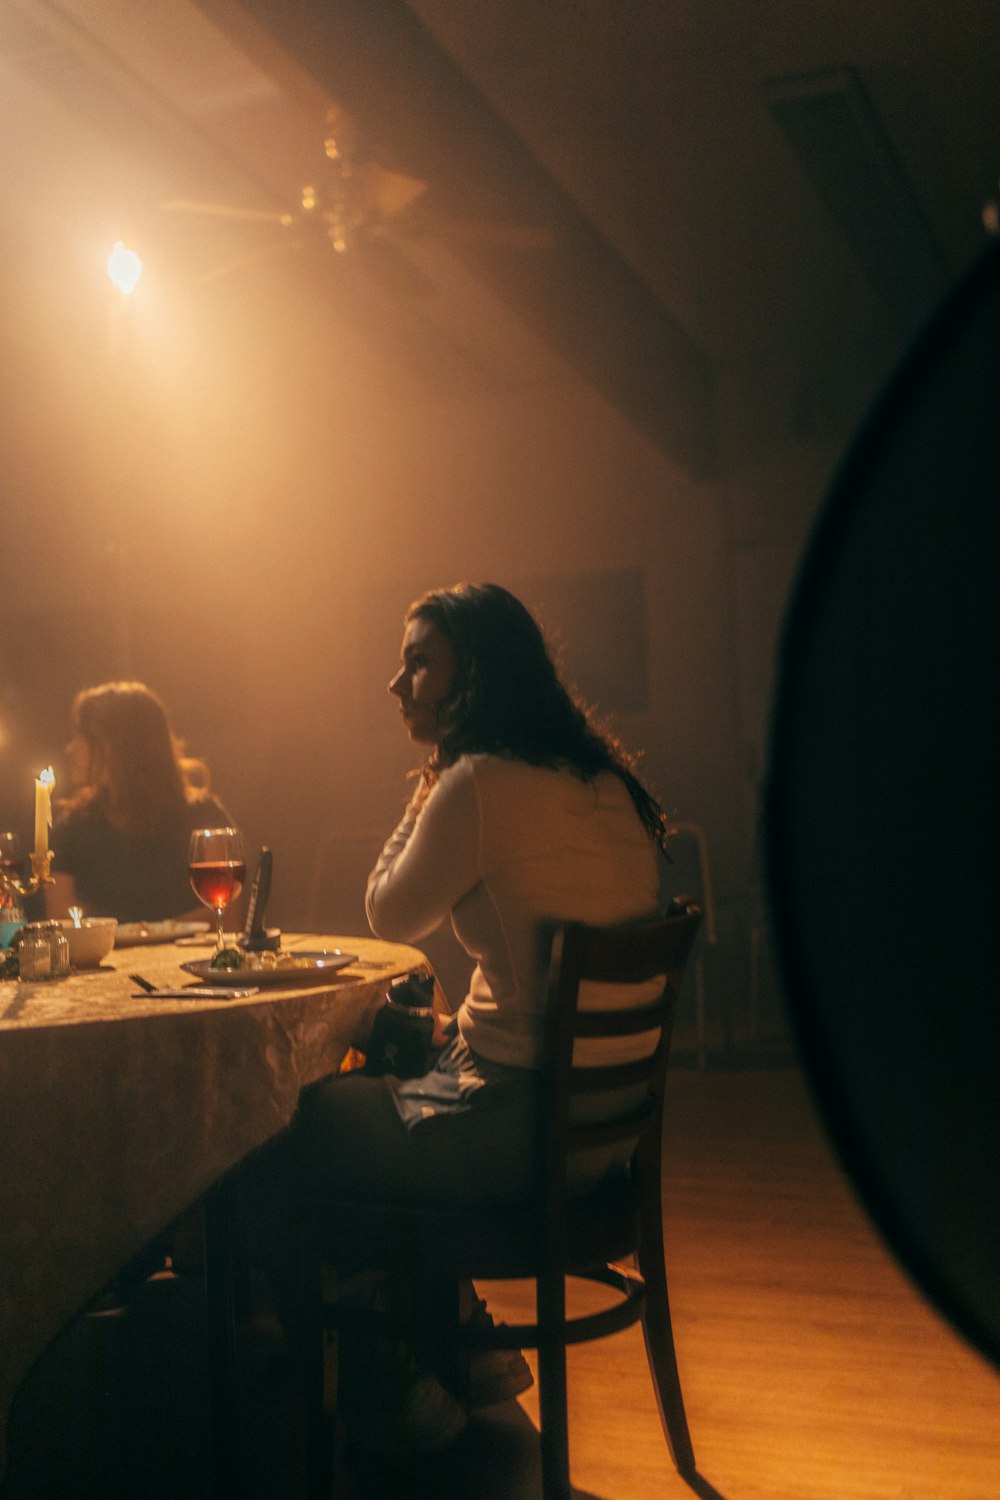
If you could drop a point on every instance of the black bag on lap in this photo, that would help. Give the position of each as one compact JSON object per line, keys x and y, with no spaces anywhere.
{"x":400,"y":1042}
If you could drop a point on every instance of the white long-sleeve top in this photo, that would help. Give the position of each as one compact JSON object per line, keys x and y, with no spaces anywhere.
{"x":506,"y":849}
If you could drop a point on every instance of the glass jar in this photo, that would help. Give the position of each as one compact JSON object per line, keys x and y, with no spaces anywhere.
{"x":42,"y":951}
{"x":59,"y":947}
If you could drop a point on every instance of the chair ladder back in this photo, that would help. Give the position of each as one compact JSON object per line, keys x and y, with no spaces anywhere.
{"x":626,"y":1021}
{"x":613,"y":955}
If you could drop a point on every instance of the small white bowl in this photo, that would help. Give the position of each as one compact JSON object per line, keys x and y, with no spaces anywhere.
{"x":91,"y":942}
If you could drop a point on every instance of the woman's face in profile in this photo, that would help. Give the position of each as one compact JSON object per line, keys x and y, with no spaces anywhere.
{"x":79,"y":759}
{"x":424,"y":678}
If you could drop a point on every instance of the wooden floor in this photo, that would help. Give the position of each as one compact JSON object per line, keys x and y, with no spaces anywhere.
{"x":812,"y":1369}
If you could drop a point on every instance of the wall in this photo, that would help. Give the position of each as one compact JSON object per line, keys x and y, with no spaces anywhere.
{"x":234,"y":497}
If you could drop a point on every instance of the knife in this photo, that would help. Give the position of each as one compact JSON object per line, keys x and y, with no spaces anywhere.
{"x":149,"y":991}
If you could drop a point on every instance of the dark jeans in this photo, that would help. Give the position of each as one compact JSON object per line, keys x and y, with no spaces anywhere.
{"x":349,"y":1138}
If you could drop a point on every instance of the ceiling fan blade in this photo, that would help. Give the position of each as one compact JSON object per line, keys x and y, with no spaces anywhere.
{"x":228,"y":211}
{"x":388,"y":193}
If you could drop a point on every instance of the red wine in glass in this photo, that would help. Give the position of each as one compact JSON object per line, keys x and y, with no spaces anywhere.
{"x":217,"y":868}
{"x":218,"y":882}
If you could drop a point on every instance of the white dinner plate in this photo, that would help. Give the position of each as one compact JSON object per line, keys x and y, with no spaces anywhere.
{"x":310,"y":965}
{"x":132,"y":934}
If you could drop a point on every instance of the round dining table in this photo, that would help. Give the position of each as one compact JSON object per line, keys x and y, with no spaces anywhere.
{"x":119,"y":1109}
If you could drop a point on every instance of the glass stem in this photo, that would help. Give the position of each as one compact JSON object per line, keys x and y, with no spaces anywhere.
{"x":222,"y":935}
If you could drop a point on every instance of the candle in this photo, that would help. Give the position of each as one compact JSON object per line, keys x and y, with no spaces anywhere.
{"x":43,"y":809}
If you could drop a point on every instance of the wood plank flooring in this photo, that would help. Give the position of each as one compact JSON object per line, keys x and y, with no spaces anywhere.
{"x":812,"y":1368}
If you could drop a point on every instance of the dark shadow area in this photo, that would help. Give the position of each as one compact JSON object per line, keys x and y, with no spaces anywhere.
{"x":496,"y":1458}
{"x":118,"y":1408}
{"x":882,"y":811}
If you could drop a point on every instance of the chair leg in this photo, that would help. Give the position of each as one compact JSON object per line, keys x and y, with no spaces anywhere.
{"x":553,"y":1406}
{"x":658,"y":1334}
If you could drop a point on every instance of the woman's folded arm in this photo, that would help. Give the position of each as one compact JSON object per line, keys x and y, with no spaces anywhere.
{"x":430,"y":862}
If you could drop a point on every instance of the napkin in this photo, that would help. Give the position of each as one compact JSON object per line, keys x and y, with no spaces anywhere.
{"x":198,"y":992}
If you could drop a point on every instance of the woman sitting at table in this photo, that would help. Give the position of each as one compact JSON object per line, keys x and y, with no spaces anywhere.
{"x":120,"y":842}
{"x":524,"y":814}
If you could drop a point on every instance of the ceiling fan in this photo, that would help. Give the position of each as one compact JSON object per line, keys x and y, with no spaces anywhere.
{"x":360,"y":208}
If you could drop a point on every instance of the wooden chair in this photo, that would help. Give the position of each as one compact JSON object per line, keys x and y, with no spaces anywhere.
{"x":556,"y":1232}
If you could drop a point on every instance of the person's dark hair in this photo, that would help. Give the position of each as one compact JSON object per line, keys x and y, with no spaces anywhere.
{"x":138,"y":766}
{"x":507,"y":697}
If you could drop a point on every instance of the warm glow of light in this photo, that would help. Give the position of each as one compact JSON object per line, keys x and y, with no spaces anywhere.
{"x":124,"y":268}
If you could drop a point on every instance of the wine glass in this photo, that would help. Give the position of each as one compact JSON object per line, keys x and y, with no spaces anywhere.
{"x":218,"y":868}
{"x":11,"y":876}
{"x":11,"y":856}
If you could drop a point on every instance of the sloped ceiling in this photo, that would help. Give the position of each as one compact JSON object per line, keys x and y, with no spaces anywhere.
{"x":733,"y":192}
{"x":417,"y":106}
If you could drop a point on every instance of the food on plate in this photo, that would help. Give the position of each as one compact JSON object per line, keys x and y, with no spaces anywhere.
{"x":228,"y":958}
{"x":240,"y":958}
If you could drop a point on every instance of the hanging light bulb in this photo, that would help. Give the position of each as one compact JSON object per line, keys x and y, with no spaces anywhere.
{"x":124,"y":268}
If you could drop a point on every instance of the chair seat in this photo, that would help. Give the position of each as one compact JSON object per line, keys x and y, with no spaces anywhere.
{"x":493,"y":1241}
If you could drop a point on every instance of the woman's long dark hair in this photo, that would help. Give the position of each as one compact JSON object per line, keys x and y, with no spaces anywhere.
{"x":507,"y":698}
{"x":138,"y":767}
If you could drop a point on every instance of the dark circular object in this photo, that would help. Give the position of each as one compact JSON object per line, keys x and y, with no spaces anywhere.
{"x":881,"y":811}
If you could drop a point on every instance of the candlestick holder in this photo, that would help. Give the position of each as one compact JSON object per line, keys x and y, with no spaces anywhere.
{"x":12,"y":886}
{"x":14,"y":890}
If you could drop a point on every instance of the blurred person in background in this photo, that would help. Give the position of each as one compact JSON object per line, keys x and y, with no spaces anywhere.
{"x":120,"y":840}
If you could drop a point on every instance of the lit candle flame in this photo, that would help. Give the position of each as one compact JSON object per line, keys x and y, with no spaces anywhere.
{"x":44,"y":783}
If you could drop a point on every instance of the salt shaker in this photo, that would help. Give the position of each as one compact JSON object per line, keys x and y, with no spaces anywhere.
{"x":42,"y":951}
{"x":59,"y":949}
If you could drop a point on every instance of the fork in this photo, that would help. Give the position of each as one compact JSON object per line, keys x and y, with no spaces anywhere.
{"x":194,"y":992}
